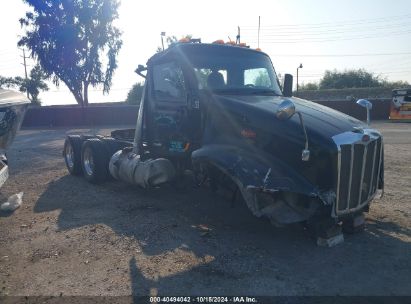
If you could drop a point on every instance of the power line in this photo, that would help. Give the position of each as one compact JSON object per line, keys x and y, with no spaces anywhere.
{"x":336,"y":36}
{"x":332,"y":39}
{"x":339,"y":23}
{"x":313,"y":75}
{"x":389,"y":70}
{"x":335,"y":31}
{"x":330,"y":32}
{"x":329,"y":29}
{"x":7,"y":51}
{"x":341,"y":55}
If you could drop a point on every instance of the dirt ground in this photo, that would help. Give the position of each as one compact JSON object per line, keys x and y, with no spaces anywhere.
{"x":73,"y":238}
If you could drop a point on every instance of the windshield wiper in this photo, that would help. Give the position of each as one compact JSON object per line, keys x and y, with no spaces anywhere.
{"x":265,"y":92}
{"x":246,"y":91}
{"x":227,"y":91}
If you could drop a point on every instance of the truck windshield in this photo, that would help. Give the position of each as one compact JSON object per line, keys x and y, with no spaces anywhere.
{"x":233,"y":70}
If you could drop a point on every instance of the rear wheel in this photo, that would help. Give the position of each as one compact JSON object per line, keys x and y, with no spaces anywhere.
{"x":95,"y":160}
{"x":72,"y":154}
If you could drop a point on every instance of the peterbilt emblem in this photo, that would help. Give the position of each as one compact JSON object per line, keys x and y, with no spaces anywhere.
{"x":365,"y":138}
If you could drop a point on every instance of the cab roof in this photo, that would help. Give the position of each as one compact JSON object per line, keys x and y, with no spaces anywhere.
{"x":187,"y":47}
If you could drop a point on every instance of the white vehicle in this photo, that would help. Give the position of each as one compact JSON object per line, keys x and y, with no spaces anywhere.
{"x":13,"y":106}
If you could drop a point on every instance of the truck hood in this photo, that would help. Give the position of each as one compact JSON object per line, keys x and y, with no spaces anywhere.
{"x":320,"y":121}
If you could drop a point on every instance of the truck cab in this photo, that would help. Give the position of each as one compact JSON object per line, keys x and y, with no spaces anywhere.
{"x":219,"y":111}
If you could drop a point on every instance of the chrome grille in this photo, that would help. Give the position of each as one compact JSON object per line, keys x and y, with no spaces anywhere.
{"x":359,"y":165}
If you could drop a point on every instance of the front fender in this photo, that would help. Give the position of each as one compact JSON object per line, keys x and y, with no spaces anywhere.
{"x":256,"y":170}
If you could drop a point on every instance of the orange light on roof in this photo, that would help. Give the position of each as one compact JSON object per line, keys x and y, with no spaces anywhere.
{"x":184,"y":40}
{"x":242,"y":44}
{"x":220,"y":41}
{"x":230,"y":42}
{"x":258,"y":49}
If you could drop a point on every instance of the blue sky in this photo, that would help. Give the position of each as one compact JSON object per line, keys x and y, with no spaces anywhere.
{"x":320,"y":34}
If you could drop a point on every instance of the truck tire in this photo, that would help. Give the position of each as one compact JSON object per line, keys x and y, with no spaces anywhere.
{"x":95,"y":160}
{"x":72,"y":154}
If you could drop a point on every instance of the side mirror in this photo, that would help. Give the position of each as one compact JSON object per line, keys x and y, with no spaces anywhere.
{"x":140,"y":69}
{"x":365,"y":104}
{"x":285,"y":110}
{"x":288,"y":85}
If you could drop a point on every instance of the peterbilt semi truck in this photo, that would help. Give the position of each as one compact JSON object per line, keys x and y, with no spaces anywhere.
{"x":219,"y":111}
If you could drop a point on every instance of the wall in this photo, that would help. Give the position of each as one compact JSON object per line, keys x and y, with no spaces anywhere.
{"x":344,"y":100}
{"x":380,"y":108}
{"x":123,"y":114}
{"x":345,"y":94}
{"x":95,"y":115}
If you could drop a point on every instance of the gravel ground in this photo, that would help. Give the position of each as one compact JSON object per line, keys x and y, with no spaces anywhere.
{"x":73,"y":238}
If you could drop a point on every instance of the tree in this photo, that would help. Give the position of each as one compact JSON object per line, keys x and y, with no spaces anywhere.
{"x":31,"y":85}
{"x":170,"y":40}
{"x":355,"y":79}
{"x":74,"y":41}
{"x":135,"y":93}
{"x":7,"y":82}
{"x":350,"y":79}
{"x":34,"y":84}
{"x":309,"y":86}
{"x":396,"y":84}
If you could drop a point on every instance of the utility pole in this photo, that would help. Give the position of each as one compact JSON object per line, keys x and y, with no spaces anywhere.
{"x":259,"y":24}
{"x":25,"y":68}
{"x":162,"y":41}
{"x":299,"y":67}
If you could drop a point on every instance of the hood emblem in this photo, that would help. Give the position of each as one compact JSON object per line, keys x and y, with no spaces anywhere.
{"x":365,"y":138}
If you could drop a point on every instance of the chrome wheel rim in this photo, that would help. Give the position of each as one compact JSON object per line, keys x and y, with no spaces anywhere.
{"x":88,"y":161}
{"x":69,"y":155}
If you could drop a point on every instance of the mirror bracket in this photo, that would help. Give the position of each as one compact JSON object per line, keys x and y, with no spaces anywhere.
{"x":141,"y":68}
{"x":285,"y":111}
{"x":365,"y":104}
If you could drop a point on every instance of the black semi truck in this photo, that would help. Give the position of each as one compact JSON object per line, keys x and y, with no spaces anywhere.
{"x":219,"y":111}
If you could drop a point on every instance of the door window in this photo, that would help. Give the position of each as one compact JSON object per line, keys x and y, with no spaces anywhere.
{"x":169,"y":82}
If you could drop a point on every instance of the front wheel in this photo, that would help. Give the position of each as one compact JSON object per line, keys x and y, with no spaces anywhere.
{"x":95,"y":160}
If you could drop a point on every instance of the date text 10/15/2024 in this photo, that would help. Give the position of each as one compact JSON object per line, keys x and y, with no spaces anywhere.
{"x":239,"y":299}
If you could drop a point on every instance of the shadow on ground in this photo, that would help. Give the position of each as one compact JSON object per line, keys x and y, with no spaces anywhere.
{"x":232,"y":251}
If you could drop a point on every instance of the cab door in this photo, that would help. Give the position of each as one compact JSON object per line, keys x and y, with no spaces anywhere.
{"x":168,"y":110}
